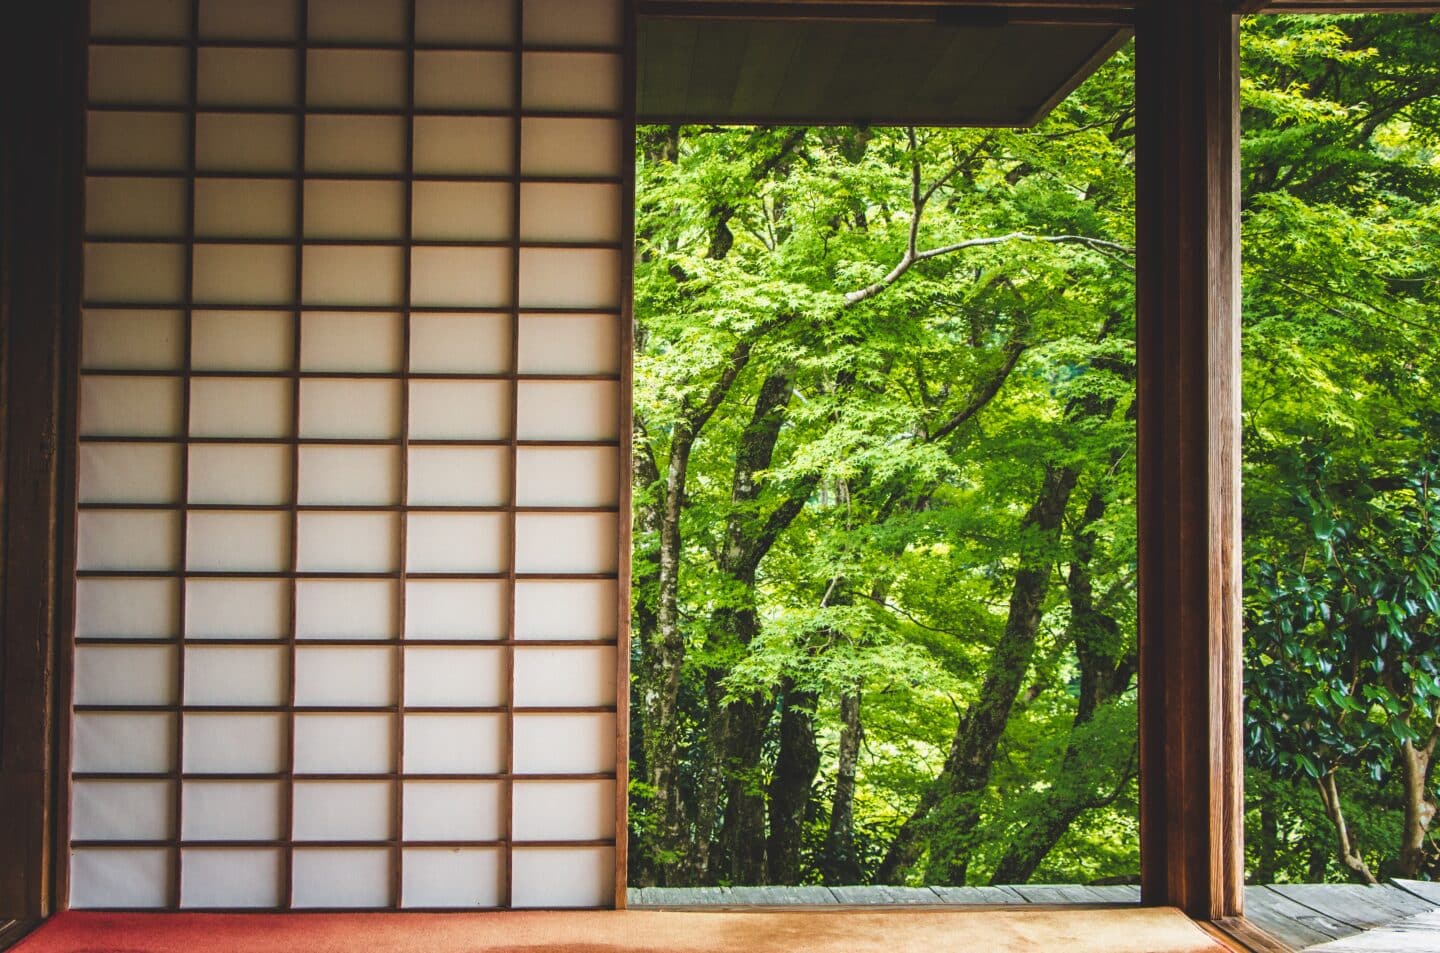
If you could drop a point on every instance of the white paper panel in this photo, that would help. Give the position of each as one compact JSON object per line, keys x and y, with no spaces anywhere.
{"x":345,"y":676}
{"x":232,"y":810}
{"x":140,"y":19}
{"x":343,"y":744}
{"x":351,"y":341}
{"x":126,"y":539}
{"x":459,"y":410}
{"x":236,"y":76}
{"x":121,"y":810}
{"x":240,"y":407}
{"x":234,"y":744}
{"x":237,"y":608}
{"x":342,"y":877}
{"x":134,"y":273}
{"x":244,"y":274}
{"x":564,"y":744}
{"x":355,"y":144}
{"x":252,"y":20}
{"x":455,"y":609}
{"x":571,"y":23}
{"x":462,"y":211}
{"x":564,"y":810}
{"x":456,"y":542}
{"x":354,"y":209}
{"x":454,"y":744}
{"x":238,"y":542}
{"x":125,"y":675}
{"x":372,"y":79}
{"x":569,"y":212}
{"x":129,"y":472}
{"x":456,"y":878}
{"x":567,"y":476}
{"x":139,"y":75}
{"x":244,"y":142}
{"x":458,"y":476}
{"x":141,"y":142}
{"x":126,"y":608}
{"x":230,"y":877}
{"x":462,"y":810}
{"x":457,"y":277}
{"x":133,"y":878}
{"x":564,"y":677}
{"x":563,"y":877}
{"x":241,"y":340}
{"x":244,"y":208}
{"x":468,"y":676}
{"x":569,"y":542}
{"x":462,"y":145}
{"x":239,"y":473}
{"x":571,"y":82}
{"x":459,"y":343}
{"x":349,"y":475}
{"x":152,"y":208}
{"x":570,"y":609}
{"x":554,"y":146}
{"x":569,"y":278}
{"x":241,"y":676}
{"x":568,"y":410}
{"x":343,"y":810}
{"x":346,"y":275}
{"x":347,"y":542}
{"x":357,"y":21}
{"x":123,"y":742}
{"x":474,"y":22}
{"x":345,"y":609}
{"x":344,"y":408}
{"x":129,"y":406}
{"x":133,"y":340}
{"x":456,"y":79}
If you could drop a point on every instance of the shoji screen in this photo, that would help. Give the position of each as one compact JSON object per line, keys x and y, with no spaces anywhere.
{"x":350,"y":455}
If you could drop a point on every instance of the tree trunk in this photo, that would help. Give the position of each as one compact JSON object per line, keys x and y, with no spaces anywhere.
{"x":743,"y":831}
{"x":1105,"y":672}
{"x":660,"y":700}
{"x":1268,"y":848}
{"x":796,"y":764}
{"x":948,"y":813}
{"x":1415,"y":764}
{"x":645,"y":627}
{"x":748,"y":538}
{"x":838,"y":864}
{"x":1345,"y":849}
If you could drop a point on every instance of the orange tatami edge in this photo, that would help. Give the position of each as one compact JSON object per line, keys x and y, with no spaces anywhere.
{"x":1134,"y":930}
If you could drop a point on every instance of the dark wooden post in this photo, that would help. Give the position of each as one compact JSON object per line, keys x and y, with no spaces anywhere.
{"x":1188,"y":301}
{"x":39,"y":293}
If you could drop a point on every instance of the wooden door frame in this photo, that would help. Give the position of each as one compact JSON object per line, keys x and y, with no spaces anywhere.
{"x":1188,"y":437}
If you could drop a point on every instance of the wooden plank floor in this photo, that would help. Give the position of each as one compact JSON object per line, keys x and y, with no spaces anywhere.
{"x":1402,"y":916}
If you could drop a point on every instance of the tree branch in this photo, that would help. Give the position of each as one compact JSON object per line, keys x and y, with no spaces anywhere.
{"x":909,"y":259}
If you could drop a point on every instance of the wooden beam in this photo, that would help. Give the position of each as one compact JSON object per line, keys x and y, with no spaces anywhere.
{"x":39,"y":274}
{"x":1188,"y":328}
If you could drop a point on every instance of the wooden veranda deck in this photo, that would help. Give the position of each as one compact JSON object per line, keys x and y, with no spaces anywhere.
{"x":1402,"y":916}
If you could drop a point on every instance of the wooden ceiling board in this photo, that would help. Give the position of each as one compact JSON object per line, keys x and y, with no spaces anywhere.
{"x":847,"y":71}
{"x":768,"y":53}
{"x":715,"y":68}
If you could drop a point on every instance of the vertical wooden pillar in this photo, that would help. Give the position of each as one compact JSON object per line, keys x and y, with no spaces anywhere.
{"x":39,"y":273}
{"x":1188,"y":301}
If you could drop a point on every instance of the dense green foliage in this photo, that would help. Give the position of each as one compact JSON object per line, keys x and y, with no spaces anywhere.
{"x":884,"y":575}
